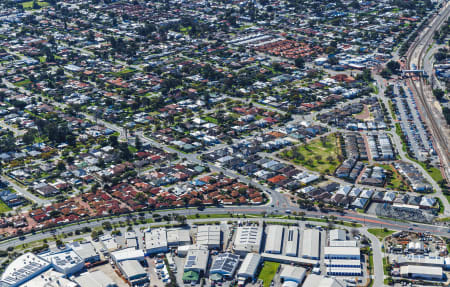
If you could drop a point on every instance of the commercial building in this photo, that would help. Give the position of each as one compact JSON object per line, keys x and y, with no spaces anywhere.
{"x":94,"y":279}
{"x":131,"y":239}
{"x":248,"y":239}
{"x":292,"y":273}
{"x":249,"y":266}
{"x":314,"y":280}
{"x":209,"y":235}
{"x":338,"y":234}
{"x":292,"y":237}
{"x":66,"y":262}
{"x":156,"y":241}
{"x":85,"y":250}
{"x":225,"y":264}
{"x":109,"y":242}
{"x":128,"y":254}
{"x":421,"y":272}
{"x":332,"y":252}
{"x":197,"y":259}
{"x":133,"y":271}
{"x":311,"y":244}
{"x":50,"y":278}
{"x":274,"y":239}
{"x":196,"y":264}
{"x":23,"y":269}
{"x":178,"y":237}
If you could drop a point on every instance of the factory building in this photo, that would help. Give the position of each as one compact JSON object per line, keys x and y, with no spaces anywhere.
{"x":292,"y":274}
{"x":94,"y":279}
{"x":225,"y":265}
{"x":274,"y":239}
{"x":156,"y":241}
{"x":248,"y":239}
{"x":314,"y":280}
{"x":23,"y":269}
{"x":195,"y":264}
{"x":292,"y":237}
{"x":342,"y":253}
{"x":66,"y":262}
{"x":311,"y":244}
{"x":209,"y":236}
{"x":133,"y":271}
{"x":128,"y":254}
{"x":178,"y":237}
{"x":249,"y":266}
{"x":85,"y":250}
{"x":421,"y":272}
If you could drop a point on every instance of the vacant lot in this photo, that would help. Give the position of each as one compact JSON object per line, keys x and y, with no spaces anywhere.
{"x":320,"y":155}
{"x":380,"y":233}
{"x":268,"y":272}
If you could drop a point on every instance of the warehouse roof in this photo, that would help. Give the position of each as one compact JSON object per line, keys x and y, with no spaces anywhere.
{"x":337,"y":234}
{"x":274,"y":238}
{"x":95,"y":279}
{"x":339,"y":250}
{"x":311,"y":243}
{"x":132,"y":268}
{"x":433,"y":271}
{"x":225,"y":263}
{"x":250,"y":264}
{"x":314,"y":280}
{"x":23,"y":268}
{"x":208,"y":235}
{"x":128,"y":254}
{"x":248,"y":238}
{"x":293,"y":272}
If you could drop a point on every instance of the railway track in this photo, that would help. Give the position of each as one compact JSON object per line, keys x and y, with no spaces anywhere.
{"x":439,"y":138}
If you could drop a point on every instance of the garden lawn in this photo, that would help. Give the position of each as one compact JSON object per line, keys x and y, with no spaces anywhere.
{"x":314,"y":155}
{"x":268,"y":272}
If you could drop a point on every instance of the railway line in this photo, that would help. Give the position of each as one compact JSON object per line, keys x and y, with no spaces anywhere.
{"x":419,"y":48}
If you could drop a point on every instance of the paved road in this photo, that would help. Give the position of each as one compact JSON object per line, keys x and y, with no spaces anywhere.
{"x":378,"y":272}
{"x":25,"y":192}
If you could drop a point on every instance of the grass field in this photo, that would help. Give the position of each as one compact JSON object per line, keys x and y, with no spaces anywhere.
{"x":268,"y":272}
{"x":380,"y":233}
{"x":4,"y":208}
{"x":29,"y":4}
{"x":315,"y":155}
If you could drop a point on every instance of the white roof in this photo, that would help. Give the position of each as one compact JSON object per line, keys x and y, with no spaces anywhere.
{"x":156,"y":238}
{"x":63,"y":260}
{"x":338,"y":234}
{"x":50,"y":278}
{"x":292,"y":273}
{"x":132,"y":268}
{"x":95,"y":279}
{"x":343,"y":243}
{"x":314,"y":280}
{"x":196,"y":259}
{"x":339,"y":250}
{"x":248,"y":238}
{"x":250,"y":264}
{"x":23,"y":268}
{"x":128,"y":254}
{"x":311,"y":243}
{"x":292,"y":236}
{"x":84,"y":250}
{"x":274,"y":238}
{"x":421,"y":269}
{"x":178,"y":236}
{"x":208,"y":235}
